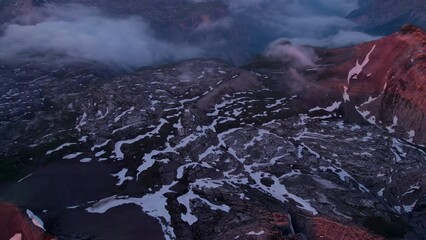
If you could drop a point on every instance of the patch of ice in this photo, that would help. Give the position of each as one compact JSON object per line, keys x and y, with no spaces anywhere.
{"x":119,"y":155}
{"x":149,"y":159}
{"x":294,"y":172}
{"x":278,"y":190}
{"x":331,"y":108}
{"x":100,"y":153}
{"x":35,"y":220}
{"x":397,"y":150}
{"x":346,"y":97}
{"x":344,"y":176}
{"x":22,"y":179}
{"x":96,"y":146}
{"x":412,"y":189}
{"x":209,"y":150}
{"x":128,"y":111}
{"x":278,"y":102}
{"x":83,"y":139}
{"x":121,"y":175}
{"x":82,"y":122}
{"x":302,"y":120}
{"x":355,"y":71}
{"x":85,"y":160}
{"x":153,"y":204}
{"x":355,"y":127}
{"x":409,"y":208}
{"x":188,"y":100}
{"x":380,"y":193}
{"x":59,"y":148}
{"x":256,"y":233}
{"x":411,"y":135}
{"x":72,"y":155}
{"x":186,"y":201}
{"x":100,"y":115}
{"x":17,"y":236}
{"x":397,"y":208}
{"x":178,"y":125}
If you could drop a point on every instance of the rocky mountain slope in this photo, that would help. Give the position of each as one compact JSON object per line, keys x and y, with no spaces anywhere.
{"x":382,"y":81}
{"x":203,"y":150}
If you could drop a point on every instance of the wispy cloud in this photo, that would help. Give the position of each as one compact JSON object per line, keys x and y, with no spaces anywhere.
{"x":315,"y":22}
{"x":76,"y":32}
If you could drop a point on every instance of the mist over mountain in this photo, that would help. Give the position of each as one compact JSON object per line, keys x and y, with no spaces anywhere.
{"x":76,"y":32}
{"x":230,"y":30}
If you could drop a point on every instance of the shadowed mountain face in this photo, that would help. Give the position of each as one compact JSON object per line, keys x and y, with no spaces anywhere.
{"x":300,"y":143}
{"x":384,"y":17}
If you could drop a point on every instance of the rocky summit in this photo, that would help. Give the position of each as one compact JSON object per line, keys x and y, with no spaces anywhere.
{"x":203,"y":150}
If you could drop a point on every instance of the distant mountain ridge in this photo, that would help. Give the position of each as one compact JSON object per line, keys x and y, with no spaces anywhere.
{"x":383,"y":17}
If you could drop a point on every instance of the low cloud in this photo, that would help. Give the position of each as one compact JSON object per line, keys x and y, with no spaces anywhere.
{"x":221,"y":24}
{"x":295,"y":60}
{"x":295,"y":55}
{"x":77,"y":33}
{"x":314,"y":22}
{"x":342,"y":38}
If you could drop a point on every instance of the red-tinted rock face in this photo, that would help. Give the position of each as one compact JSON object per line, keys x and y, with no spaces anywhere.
{"x":385,"y":81}
{"x":382,"y":82}
{"x":324,"y":229}
{"x":17,"y":226}
{"x":317,"y":228}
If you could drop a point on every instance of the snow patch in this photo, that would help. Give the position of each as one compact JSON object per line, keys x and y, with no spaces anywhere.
{"x":121,"y":175}
{"x":35,"y":220}
{"x":256,"y":233}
